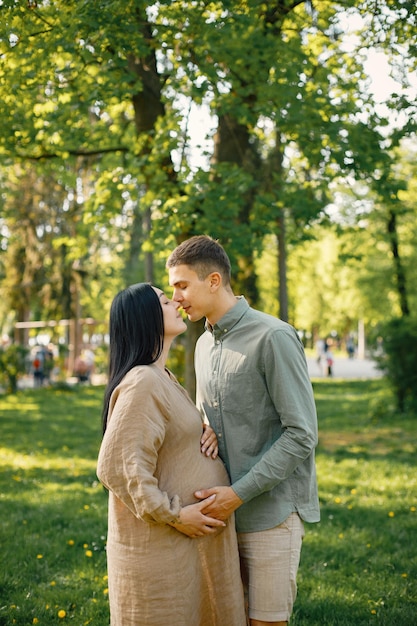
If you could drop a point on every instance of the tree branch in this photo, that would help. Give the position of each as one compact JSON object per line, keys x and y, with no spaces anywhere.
{"x":83,"y":153}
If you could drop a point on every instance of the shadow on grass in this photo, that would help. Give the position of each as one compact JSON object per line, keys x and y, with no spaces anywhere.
{"x":53,"y":421}
{"x":357,"y":420}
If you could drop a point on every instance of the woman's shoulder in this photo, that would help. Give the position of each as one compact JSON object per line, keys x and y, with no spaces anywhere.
{"x":142,"y":383}
{"x":137,"y":380}
{"x":142,"y":373}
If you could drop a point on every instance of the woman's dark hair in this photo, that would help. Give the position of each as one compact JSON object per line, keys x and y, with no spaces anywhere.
{"x":136,"y":335}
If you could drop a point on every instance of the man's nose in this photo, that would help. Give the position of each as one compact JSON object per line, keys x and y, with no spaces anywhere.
{"x":176,"y":296}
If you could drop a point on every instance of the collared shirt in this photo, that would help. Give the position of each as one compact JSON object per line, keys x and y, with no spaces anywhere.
{"x":254,"y":389}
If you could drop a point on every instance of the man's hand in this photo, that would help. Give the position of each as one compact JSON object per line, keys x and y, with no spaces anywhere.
{"x":208,"y":442}
{"x":224,"y":504}
{"x":193,"y":522}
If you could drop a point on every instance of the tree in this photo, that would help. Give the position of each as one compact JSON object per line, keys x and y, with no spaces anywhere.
{"x":101,"y":90}
{"x":12,"y":364}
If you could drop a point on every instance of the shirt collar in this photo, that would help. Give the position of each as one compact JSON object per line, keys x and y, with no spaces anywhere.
{"x":230,"y":319}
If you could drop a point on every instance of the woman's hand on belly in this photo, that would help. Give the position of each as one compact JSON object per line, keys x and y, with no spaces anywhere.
{"x":194,"y":523}
{"x":208,"y":441}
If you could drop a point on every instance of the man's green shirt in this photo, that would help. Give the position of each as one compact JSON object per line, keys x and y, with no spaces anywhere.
{"x":254,"y":389}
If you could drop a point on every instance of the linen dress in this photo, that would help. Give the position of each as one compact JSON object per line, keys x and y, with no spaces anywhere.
{"x":151,"y":463}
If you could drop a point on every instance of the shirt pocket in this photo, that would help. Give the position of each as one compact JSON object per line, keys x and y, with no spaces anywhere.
{"x":238,"y":395}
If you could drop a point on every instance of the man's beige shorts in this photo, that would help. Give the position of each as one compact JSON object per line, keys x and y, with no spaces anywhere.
{"x":269,"y":561}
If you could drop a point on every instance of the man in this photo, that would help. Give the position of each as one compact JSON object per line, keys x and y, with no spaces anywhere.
{"x":253,"y":388}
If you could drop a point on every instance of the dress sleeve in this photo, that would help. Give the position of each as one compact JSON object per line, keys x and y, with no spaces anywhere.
{"x":289,"y":386}
{"x":128,"y":455}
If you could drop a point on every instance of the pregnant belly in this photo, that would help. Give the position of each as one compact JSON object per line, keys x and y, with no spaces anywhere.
{"x":187,"y":478}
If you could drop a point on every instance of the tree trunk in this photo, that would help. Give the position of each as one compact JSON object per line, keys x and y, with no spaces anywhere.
{"x":148,"y":108}
{"x":399,"y":269}
{"x":132,"y":271}
{"x":232,"y":145}
{"x":282,"y":267}
{"x":193,"y":333}
{"x":149,"y":264}
{"x":273,"y":184}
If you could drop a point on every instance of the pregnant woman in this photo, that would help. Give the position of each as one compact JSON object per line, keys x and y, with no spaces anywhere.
{"x":168,"y":563}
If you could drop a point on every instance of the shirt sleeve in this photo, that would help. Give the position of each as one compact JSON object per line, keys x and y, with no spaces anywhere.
{"x":288,"y":384}
{"x":128,"y":456}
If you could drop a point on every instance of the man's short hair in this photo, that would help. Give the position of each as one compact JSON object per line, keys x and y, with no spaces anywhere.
{"x":204,"y":255}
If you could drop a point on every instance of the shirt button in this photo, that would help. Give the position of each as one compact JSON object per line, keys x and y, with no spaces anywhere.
{"x":219,"y":435}
{"x":215,"y":403}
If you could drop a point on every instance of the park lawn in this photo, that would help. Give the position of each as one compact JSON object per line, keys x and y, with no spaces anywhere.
{"x":53,"y":510}
{"x":358,"y":566}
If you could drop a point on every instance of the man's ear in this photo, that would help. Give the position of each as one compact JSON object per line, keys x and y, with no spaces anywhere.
{"x":215,"y":281}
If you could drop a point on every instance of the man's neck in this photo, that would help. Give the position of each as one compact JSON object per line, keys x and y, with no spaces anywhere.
{"x":224,"y":306}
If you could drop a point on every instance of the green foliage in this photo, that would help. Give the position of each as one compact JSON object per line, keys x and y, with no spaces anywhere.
{"x":399,"y":361}
{"x":12,"y":364}
{"x":98,"y":160}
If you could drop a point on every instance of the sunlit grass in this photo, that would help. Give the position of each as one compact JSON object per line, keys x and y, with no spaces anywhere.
{"x":358,"y":566}
{"x":53,"y":510}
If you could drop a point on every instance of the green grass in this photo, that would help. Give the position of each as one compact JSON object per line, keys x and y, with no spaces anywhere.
{"x":358,"y":566}
{"x":52,"y":509}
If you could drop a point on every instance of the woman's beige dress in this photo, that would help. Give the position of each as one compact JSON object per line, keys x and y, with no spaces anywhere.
{"x":150,"y":460}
